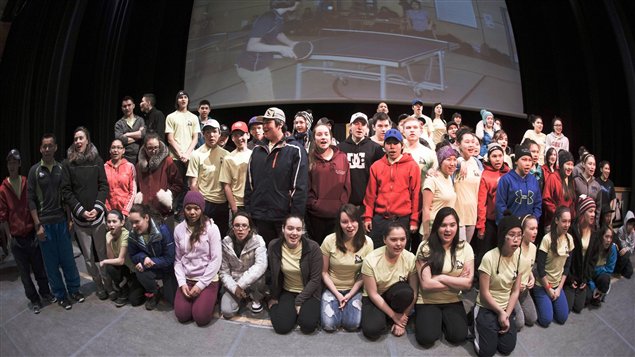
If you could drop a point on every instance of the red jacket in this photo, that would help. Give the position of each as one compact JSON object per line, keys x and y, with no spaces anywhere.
{"x":329,"y":184}
{"x":122,"y":182}
{"x":159,"y":172}
{"x":14,"y":210}
{"x":553,"y":197}
{"x":393,"y":189}
{"x":546,"y":173}
{"x":486,"y":208}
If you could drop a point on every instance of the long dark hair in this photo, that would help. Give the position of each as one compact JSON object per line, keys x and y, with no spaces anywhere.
{"x":554,"y":228}
{"x":436,"y":255}
{"x":567,"y":185}
{"x":597,"y":250}
{"x":360,"y":238}
{"x":555,"y":164}
{"x":313,"y":149}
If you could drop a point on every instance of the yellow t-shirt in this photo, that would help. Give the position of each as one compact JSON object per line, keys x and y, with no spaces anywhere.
{"x":527,"y":263}
{"x":438,"y":130}
{"x":205,"y":164}
{"x":463,"y":254}
{"x":501,"y":275}
{"x":234,"y":173}
{"x":555,"y":262}
{"x":443,"y":194}
{"x":426,"y":158}
{"x":182,"y":126}
{"x":116,"y":246}
{"x":467,"y":193}
{"x":344,"y":268}
{"x":291,"y":268}
{"x":385,"y":274}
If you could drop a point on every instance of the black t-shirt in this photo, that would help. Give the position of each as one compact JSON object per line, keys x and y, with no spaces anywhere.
{"x":266,"y":27}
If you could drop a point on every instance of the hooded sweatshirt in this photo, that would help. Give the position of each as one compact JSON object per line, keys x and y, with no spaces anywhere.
{"x":329,"y":184}
{"x":84,"y":184}
{"x":626,"y":240}
{"x":15,"y":210}
{"x":122,"y":181}
{"x":486,"y":208}
{"x":553,"y":197}
{"x":360,"y":157}
{"x":393,"y":189}
{"x":519,"y":195}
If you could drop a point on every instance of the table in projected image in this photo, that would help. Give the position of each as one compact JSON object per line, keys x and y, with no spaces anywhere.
{"x":373,"y":53}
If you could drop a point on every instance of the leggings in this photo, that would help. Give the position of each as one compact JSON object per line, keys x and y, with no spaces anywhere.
{"x":200,"y":309}
{"x":284,"y":316}
{"x":576,"y":298}
{"x":549,"y":310}
{"x":525,"y":310}
{"x":432,"y":320}
{"x":374,"y":321}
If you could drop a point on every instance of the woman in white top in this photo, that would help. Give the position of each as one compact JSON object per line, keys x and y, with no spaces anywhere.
{"x":556,"y":138}
{"x":537,"y":135}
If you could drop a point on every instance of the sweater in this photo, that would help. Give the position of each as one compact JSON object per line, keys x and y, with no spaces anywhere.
{"x":310,"y":269}
{"x":521,"y":195}
{"x":486,"y":208}
{"x":84,"y":185}
{"x":361,"y":157}
{"x":200,"y":262}
{"x":394,"y":189}
{"x":15,"y":210}
{"x":559,"y":142}
{"x":122,"y":182}
{"x":245,"y":270}
{"x":329,"y":184}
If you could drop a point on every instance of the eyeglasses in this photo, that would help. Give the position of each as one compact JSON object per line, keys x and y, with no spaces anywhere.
{"x":152,"y":148}
{"x":514,"y":237}
{"x":240,"y":226}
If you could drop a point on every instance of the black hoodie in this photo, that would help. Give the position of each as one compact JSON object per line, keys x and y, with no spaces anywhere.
{"x":360,"y":157}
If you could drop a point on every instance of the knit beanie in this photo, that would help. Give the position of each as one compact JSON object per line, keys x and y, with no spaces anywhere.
{"x":445,"y":152}
{"x":506,"y":223}
{"x":485,"y":114}
{"x":493,"y":147}
{"x":584,"y":204}
{"x":194,"y":198}
{"x":521,"y":151}
{"x":564,"y":156}
{"x":308,"y":117}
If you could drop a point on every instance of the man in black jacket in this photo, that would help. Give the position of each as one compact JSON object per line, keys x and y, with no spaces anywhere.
{"x":277,"y":177}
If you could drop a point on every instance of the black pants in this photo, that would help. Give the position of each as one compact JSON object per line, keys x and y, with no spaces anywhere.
{"x":319,"y":227}
{"x":576,"y":298}
{"x":380,"y":224}
{"x":131,"y":288}
{"x":624,"y":265}
{"x":487,"y":340}
{"x":432,"y":320}
{"x":148,"y":280}
{"x":375,"y":321}
{"x":177,"y":202}
{"x":28,"y":258}
{"x":219,"y":212}
{"x":269,"y":230}
{"x":284,"y":317}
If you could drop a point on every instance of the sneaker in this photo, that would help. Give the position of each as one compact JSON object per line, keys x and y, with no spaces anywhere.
{"x":79,"y":297}
{"x":256,"y":307}
{"x":121,"y":301}
{"x":65,"y":303}
{"x":36,"y":307}
{"x":102,"y":295}
{"x":49,"y":297}
{"x":113,"y":295}
{"x":152,"y":301}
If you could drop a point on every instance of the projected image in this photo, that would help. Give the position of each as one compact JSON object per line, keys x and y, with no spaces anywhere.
{"x":460,"y":53}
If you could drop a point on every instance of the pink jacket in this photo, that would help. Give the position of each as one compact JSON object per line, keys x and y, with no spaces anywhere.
{"x":122,"y":181}
{"x":201,"y":262}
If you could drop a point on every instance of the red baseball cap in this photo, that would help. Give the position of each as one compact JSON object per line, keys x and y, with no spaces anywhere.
{"x":240,"y":125}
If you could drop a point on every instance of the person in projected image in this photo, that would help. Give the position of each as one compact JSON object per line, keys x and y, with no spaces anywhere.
{"x":265,"y":39}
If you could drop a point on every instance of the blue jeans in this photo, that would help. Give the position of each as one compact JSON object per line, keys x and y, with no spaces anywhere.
{"x":549,"y":310}
{"x":57,"y":251}
{"x":333,"y":317}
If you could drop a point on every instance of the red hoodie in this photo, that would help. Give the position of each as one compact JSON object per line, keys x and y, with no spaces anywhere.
{"x":553,"y":197}
{"x":122,"y":181}
{"x":329,"y":184}
{"x":14,"y":210}
{"x":486,"y":208}
{"x":393,"y":189}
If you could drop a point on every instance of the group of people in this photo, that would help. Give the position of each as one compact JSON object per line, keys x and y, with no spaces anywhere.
{"x":397,"y":222}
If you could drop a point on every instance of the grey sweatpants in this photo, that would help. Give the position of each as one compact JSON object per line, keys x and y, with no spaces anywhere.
{"x":525,"y":310}
{"x":92,"y":240}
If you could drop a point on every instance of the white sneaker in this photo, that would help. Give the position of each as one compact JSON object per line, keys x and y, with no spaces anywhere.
{"x":256,"y":307}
